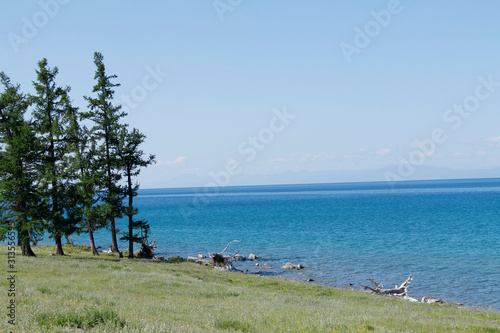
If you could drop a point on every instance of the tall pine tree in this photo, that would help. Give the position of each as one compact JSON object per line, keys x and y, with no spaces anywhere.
{"x":51,"y":115}
{"x":89,"y":210}
{"x":106,"y":130}
{"x":132,"y":160}
{"x":19,"y":192}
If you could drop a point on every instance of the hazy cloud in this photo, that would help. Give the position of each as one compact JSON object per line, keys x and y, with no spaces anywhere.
{"x":493,"y":139}
{"x":383,"y":152}
{"x":179,"y":161}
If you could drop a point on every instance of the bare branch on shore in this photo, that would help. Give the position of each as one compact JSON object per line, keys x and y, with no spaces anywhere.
{"x":401,"y":290}
{"x":235,"y":241}
{"x":220,"y":260}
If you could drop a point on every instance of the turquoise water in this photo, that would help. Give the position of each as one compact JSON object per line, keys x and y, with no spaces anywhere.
{"x":445,"y":233}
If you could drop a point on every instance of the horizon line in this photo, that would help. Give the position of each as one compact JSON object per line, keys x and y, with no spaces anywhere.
{"x":330,"y":183}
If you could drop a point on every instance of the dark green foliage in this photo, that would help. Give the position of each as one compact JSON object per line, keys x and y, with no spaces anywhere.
{"x":19,"y":156}
{"x":59,"y":176}
{"x":52,"y":117}
{"x":175,"y":260}
{"x":132,"y":160}
{"x":76,"y":248}
{"x":90,"y":211}
{"x":233,"y":325}
{"x":106,"y":131}
{"x":84,"y":319}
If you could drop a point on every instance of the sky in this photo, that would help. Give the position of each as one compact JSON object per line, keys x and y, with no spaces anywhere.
{"x":239,"y":92}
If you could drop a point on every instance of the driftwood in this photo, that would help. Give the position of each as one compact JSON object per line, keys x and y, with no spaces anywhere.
{"x":227,"y":246}
{"x":220,"y":260}
{"x":224,"y":261}
{"x":433,"y":300}
{"x":200,"y":260}
{"x":401,"y":290}
{"x":239,"y":257}
{"x":147,"y":250}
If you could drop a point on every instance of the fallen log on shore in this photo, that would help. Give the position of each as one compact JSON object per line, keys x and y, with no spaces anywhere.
{"x":401,"y":290}
{"x":219,"y":260}
{"x":147,"y":250}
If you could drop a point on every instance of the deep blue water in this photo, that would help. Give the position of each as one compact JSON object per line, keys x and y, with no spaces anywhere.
{"x":446,"y":233}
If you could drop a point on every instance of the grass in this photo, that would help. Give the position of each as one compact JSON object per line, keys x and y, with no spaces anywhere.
{"x":85,"y":319}
{"x":79,"y":293}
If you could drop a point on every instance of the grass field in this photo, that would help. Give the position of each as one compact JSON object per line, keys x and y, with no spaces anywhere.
{"x":78,"y":293}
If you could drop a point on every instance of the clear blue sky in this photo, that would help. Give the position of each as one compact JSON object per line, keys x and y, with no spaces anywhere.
{"x":360,"y":102}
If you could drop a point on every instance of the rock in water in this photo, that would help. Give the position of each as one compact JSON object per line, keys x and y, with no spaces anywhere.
{"x":289,"y":265}
{"x":431,"y":300}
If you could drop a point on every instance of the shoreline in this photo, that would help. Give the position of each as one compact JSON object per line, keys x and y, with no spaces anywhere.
{"x":142,"y":295}
{"x":273,"y":274}
{"x":280,"y":273}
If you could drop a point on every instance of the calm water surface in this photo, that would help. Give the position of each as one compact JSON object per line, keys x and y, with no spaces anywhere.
{"x":446,"y":233}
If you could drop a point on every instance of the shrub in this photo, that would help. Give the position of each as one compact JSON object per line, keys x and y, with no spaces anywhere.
{"x":80,"y":248}
{"x":233,"y":325}
{"x":84,"y":319}
{"x":175,"y":260}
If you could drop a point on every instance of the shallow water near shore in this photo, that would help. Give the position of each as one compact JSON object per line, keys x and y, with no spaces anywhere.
{"x":445,"y":233}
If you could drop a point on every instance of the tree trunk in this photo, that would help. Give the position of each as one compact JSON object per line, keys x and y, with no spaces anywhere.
{"x":130,"y":240}
{"x":92,"y":243}
{"x":57,"y":222}
{"x":130,"y":217}
{"x":24,"y":242}
{"x":114,"y":242}
{"x":59,"y":248}
{"x":27,"y":251}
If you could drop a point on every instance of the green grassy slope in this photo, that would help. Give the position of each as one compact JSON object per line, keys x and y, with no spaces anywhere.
{"x":81,"y":294}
